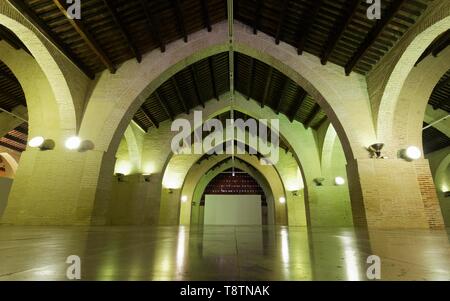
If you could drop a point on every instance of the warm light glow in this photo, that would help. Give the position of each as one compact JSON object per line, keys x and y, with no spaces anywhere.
{"x":73,"y":143}
{"x":149,"y":168}
{"x":444,"y":188}
{"x":36,"y":141}
{"x":282,"y":200}
{"x":339,"y":181}
{"x":184,"y":199}
{"x":123,"y":167}
{"x":413,"y":153}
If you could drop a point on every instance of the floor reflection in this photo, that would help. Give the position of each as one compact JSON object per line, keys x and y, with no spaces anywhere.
{"x":221,"y":253}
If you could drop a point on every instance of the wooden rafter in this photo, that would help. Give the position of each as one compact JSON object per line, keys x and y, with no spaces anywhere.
{"x":150,"y":117}
{"x":205,"y":13}
{"x":213,"y":77}
{"x":153,"y":25}
{"x":257,"y":17}
{"x":281,"y":19}
{"x":119,"y":24}
{"x":283,"y":91}
{"x":301,"y":99}
{"x":180,"y":19}
{"x":251,"y":77}
{"x":307,"y":24}
{"x":338,"y":30}
{"x":312,"y":115}
{"x":164,"y":105}
{"x":381,"y":24}
{"x":267,"y":87}
{"x":86,"y":36}
{"x":195,"y":82}
{"x":45,"y":30}
{"x":179,"y":95}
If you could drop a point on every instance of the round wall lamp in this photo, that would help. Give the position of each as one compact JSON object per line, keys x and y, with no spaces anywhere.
{"x":41,"y":143}
{"x":339,"y":181}
{"x":73,"y":143}
{"x":36,"y":142}
{"x":282,"y":200}
{"x":411,"y":153}
{"x":184,"y":199}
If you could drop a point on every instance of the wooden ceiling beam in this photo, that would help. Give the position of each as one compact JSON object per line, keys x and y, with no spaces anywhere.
{"x":442,"y":84}
{"x":119,"y":24}
{"x":153,"y":25}
{"x":179,"y":95}
{"x":213,"y":77}
{"x":140,"y":124}
{"x":164,"y":105}
{"x":180,"y":19}
{"x":45,"y":30}
{"x":7,"y":145}
{"x":267,"y":87}
{"x":312,"y":115}
{"x":86,"y":36}
{"x":15,"y":139}
{"x":257,"y":17}
{"x":373,"y":34}
{"x":205,"y":13}
{"x":8,"y":95}
{"x":283,"y":91}
{"x":302,"y":96}
{"x":150,"y":117}
{"x":307,"y":25}
{"x":250,"y":78}
{"x":280,"y":21}
{"x":195,"y":82}
{"x":338,"y":30}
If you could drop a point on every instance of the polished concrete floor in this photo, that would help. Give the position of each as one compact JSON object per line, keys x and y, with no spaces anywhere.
{"x":221,"y":253}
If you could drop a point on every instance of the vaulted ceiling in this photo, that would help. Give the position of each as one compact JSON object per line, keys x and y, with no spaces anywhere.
{"x":113,"y":31}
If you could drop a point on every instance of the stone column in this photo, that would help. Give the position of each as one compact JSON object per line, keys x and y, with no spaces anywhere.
{"x":60,"y":187}
{"x":393,"y":193}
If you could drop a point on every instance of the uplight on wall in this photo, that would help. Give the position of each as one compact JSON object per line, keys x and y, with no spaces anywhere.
{"x":282,"y":200}
{"x":73,"y":143}
{"x":36,"y":142}
{"x":339,"y":181}
{"x":184,"y":199}
{"x":411,"y":153}
{"x":41,"y":143}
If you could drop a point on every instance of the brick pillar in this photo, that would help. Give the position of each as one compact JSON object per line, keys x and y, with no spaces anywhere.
{"x":393,"y":193}
{"x":59,"y":187}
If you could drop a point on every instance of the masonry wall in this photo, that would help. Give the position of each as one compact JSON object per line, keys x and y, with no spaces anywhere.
{"x":440,"y":168}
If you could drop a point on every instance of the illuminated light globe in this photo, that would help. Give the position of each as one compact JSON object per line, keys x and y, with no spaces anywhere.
{"x":339,"y":181}
{"x":36,"y":141}
{"x":184,"y":199}
{"x":73,"y":143}
{"x":413,"y":153}
{"x":282,"y":200}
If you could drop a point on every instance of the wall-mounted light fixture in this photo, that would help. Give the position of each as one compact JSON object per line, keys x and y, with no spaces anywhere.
{"x":447,"y":194}
{"x":170,"y":190}
{"x":319,"y":181}
{"x":294,"y":192}
{"x":73,"y":143}
{"x":147,"y":178}
{"x":282,"y":200}
{"x":339,"y":181}
{"x":184,"y":199}
{"x":375,"y":150}
{"x":120,"y":177}
{"x":411,"y":153}
{"x":41,"y":143}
